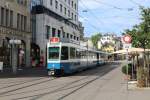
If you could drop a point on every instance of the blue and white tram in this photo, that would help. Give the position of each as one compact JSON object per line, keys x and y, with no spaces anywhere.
{"x":66,"y":58}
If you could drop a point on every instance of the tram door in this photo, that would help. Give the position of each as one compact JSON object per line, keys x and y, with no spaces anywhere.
{"x":97,"y":57}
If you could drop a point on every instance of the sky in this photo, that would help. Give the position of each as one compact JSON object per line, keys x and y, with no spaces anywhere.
{"x":110,"y":16}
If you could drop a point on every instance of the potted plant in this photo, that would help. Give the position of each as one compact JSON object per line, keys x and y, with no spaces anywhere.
{"x":129,"y":69}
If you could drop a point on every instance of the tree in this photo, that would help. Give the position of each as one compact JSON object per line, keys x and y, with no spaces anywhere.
{"x":141,"y":33}
{"x":95,"y":38}
{"x":141,"y":38}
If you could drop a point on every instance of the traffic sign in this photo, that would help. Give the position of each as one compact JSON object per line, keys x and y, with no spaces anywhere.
{"x":127,"y":39}
{"x":127,"y":46}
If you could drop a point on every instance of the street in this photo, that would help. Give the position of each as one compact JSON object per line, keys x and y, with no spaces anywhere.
{"x":102,"y":83}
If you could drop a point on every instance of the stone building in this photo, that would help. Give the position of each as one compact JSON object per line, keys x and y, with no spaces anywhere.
{"x":109,"y":43}
{"x":54,"y":18}
{"x":15,"y":32}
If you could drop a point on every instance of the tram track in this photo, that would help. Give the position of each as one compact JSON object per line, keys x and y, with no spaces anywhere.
{"x":71,"y":85}
{"x":20,"y":83}
{"x":82,"y":86}
{"x":54,"y":86}
{"x":12,"y":90}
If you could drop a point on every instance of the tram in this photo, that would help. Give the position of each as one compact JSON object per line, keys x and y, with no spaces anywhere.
{"x":67,"y":58}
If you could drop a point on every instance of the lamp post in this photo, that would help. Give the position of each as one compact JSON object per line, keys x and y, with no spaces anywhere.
{"x":14,"y":42}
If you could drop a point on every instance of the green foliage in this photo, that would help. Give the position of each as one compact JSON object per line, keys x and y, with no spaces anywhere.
{"x":95,"y":38}
{"x":141,"y":33}
{"x":124,"y":69}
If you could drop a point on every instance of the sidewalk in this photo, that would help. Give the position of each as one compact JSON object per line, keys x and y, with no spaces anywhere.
{"x":116,"y":89}
{"x":25,"y":72}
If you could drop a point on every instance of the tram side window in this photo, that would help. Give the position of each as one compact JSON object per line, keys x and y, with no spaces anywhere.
{"x":83,"y":54}
{"x":78,"y":54}
{"x":72,"y":53}
{"x":64,"y":53}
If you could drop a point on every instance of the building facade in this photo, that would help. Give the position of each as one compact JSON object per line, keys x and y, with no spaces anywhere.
{"x":109,"y":43}
{"x":81,"y":28}
{"x":15,"y":26}
{"x":54,"y":18}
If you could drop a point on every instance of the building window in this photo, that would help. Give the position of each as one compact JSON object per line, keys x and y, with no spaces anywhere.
{"x":71,"y":36}
{"x":67,"y":35}
{"x":7,"y":17}
{"x":59,"y":33}
{"x":75,"y":6}
{"x":68,"y":13}
{"x":56,"y":4}
{"x":11,"y":18}
{"x":47,"y":32}
{"x":22,"y":17}
{"x":63,"y":34}
{"x":53,"y":32}
{"x":72,"y":4}
{"x":22,"y":2}
{"x":2,"y":16}
{"x":72,"y":16}
{"x":60,"y":7}
{"x":77,"y":38}
{"x":75,"y":16}
{"x":25,"y":2}
{"x":65,"y":10}
{"x":25,"y":23}
{"x":69,"y":2}
{"x":18,"y":21}
{"x":74,"y":37}
{"x":51,"y":2}
{"x":18,"y":1}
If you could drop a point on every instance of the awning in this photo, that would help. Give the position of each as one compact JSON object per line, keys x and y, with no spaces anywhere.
{"x":131,"y":50}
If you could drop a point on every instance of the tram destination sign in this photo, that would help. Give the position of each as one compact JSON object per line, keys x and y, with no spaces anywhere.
{"x":54,"y":40}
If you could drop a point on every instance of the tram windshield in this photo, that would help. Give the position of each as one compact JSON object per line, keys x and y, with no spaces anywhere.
{"x":54,"y":53}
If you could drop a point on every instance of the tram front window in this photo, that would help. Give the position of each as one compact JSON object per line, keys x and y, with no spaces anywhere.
{"x":53,"y":53}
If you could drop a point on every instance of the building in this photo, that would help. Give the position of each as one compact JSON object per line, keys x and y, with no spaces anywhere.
{"x":87,"y":42}
{"x":54,"y":18}
{"x":81,"y":28}
{"x":109,"y":43}
{"x":15,"y":32}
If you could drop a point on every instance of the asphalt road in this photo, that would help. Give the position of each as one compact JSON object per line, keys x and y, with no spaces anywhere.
{"x":101,"y":83}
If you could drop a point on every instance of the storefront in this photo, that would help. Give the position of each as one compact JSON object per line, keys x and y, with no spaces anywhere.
{"x":21,"y":51}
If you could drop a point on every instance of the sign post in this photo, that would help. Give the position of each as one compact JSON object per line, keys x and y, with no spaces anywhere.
{"x":127,"y":44}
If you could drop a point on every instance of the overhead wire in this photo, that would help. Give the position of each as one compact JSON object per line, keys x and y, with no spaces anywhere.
{"x":132,"y":1}
{"x":113,"y":6}
{"x":107,"y":4}
{"x":93,"y":26}
{"x":91,"y":12}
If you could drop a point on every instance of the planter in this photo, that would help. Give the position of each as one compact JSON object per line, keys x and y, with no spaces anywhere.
{"x":127,"y":77}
